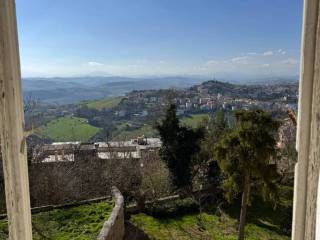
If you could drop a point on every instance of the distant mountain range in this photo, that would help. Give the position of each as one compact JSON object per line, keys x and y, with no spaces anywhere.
{"x":76,"y":89}
{"x":71,"y":90}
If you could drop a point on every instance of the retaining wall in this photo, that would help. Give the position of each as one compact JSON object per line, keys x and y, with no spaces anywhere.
{"x":113,"y":228}
{"x":67,"y":182}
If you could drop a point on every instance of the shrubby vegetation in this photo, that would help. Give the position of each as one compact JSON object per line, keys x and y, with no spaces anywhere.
{"x":227,"y":162}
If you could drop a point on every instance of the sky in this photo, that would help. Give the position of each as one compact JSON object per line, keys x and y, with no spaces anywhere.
{"x":223,"y":38}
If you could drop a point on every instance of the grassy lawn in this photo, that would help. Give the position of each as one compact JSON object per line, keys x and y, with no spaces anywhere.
{"x":104,"y":103}
{"x":264,"y":222}
{"x":208,"y":226}
{"x":68,"y":129}
{"x":194,"y":120}
{"x":83,"y":222}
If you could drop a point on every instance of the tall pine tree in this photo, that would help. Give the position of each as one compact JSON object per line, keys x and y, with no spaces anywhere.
{"x":179,"y":145}
{"x":244,"y":156}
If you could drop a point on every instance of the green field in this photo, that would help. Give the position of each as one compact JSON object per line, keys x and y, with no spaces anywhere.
{"x":194,"y":120}
{"x":68,"y":129}
{"x":104,"y":103}
{"x":206,"y":226}
{"x":123,"y":134}
{"x":83,"y":222}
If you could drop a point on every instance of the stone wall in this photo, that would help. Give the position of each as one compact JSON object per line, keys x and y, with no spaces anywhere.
{"x":113,"y":228}
{"x":59,"y":183}
{"x":88,"y":177}
{"x":66,"y":182}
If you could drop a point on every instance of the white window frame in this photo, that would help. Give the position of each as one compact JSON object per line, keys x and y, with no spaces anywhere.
{"x":308,"y":132}
{"x":13,"y":142}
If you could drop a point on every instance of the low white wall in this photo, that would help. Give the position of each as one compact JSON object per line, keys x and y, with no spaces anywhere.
{"x":113,"y":228}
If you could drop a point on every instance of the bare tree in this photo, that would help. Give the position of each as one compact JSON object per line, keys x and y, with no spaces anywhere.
{"x":155,"y":176}
{"x":30,"y":104}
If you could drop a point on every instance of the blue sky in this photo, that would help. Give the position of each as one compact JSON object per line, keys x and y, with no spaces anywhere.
{"x":160,"y":37}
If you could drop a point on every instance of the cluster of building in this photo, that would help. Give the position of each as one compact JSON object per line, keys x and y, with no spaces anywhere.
{"x":69,"y":151}
{"x":201,"y":99}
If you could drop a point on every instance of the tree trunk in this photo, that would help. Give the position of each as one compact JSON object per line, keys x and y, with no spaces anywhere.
{"x":244,"y":204}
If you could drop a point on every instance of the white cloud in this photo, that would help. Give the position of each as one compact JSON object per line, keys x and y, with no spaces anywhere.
{"x":282,"y":52}
{"x":277,"y":62}
{"x":290,"y":61}
{"x":95,"y":64}
{"x":239,"y":59}
{"x":212,"y":62}
{"x":254,"y":63}
{"x":268,"y":53}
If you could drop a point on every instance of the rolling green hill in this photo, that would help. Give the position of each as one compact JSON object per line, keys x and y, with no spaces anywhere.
{"x":104,"y":103}
{"x":68,"y":128}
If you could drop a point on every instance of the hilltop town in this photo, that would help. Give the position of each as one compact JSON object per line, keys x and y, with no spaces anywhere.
{"x":135,"y":113}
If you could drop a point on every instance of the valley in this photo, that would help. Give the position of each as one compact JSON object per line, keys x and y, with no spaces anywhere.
{"x":135,"y":113}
